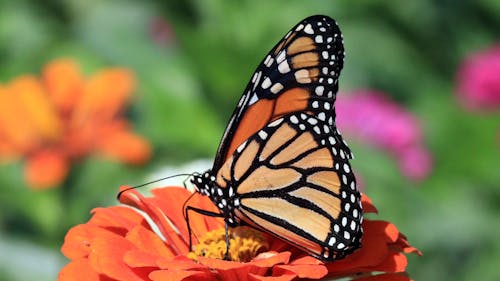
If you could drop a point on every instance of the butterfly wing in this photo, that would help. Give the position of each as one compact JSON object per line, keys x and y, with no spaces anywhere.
{"x":293,"y":180}
{"x":299,"y":74}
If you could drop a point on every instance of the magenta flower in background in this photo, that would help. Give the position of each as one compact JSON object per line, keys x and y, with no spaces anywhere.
{"x":374,"y":119}
{"x":479,"y":80}
{"x":161,"y":32}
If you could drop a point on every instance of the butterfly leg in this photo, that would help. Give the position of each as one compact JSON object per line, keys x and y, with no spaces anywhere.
{"x":226,"y":228}
{"x":205,"y":213}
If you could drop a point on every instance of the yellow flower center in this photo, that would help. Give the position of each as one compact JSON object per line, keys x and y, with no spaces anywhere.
{"x":244,"y":244}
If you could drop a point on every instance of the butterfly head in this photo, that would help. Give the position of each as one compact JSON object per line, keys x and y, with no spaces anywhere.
{"x":204,"y":183}
{"x":224,"y":198}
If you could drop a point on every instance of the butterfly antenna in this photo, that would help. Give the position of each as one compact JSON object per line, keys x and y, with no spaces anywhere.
{"x":184,"y":181}
{"x":151,"y":182}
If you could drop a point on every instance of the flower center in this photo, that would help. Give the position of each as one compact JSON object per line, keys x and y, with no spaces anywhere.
{"x":244,"y":244}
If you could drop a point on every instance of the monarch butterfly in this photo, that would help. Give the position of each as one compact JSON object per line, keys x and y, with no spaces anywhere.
{"x":282,"y":166}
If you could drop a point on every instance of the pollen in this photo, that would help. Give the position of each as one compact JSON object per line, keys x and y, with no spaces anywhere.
{"x":244,"y":244}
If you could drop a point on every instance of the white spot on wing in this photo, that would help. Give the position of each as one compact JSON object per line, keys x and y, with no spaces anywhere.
{"x":253,"y":100}
{"x":319,"y":90}
{"x":266,"y":83}
{"x":269,"y":61}
{"x":331,"y":241}
{"x":257,"y":79}
{"x":284,"y":67}
{"x":281,"y":56}
{"x":276,"y":122}
{"x":308,"y":29}
{"x":262,"y":135}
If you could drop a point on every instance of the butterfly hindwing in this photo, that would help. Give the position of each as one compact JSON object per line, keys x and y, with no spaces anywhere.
{"x":293,"y":180}
{"x":299,"y":74}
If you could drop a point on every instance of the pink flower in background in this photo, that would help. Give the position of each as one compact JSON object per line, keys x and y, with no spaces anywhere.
{"x":372,"y":118}
{"x":161,"y":31}
{"x":479,"y":80}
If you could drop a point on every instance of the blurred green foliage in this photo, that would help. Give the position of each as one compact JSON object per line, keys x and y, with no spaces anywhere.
{"x":191,"y":78}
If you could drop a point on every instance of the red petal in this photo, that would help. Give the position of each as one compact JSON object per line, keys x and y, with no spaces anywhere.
{"x":107,"y":257}
{"x":284,"y":277}
{"x":118,"y":218}
{"x":391,"y":230}
{"x":306,"y":260}
{"x":80,"y":270}
{"x":269,"y":259}
{"x":230,"y":270}
{"x":138,"y":258}
{"x":178,"y":275}
{"x":395,"y":262}
{"x":171,"y":200}
{"x":159,"y":216}
{"x":302,"y":271}
{"x":149,"y":242}
{"x":373,"y":251}
{"x":182,"y":263}
{"x":402,"y":242}
{"x":367,"y":204}
{"x":78,"y":240}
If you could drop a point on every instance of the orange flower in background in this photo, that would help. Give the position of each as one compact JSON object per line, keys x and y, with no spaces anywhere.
{"x":118,"y":243}
{"x":62,"y":116}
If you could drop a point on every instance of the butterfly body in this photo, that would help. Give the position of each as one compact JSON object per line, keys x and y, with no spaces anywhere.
{"x":282,"y":166}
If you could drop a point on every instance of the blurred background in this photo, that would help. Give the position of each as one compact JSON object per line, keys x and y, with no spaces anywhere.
{"x":419,"y":105}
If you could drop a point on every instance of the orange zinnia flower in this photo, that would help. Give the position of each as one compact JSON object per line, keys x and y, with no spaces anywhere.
{"x":62,"y":116}
{"x":120,"y":243}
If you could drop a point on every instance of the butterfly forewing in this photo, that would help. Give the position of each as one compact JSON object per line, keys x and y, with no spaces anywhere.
{"x":299,"y":74}
{"x":290,"y":180}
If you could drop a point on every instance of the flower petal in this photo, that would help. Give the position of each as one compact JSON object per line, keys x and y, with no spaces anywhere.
{"x":118,"y":219}
{"x":149,"y":242}
{"x":158,"y":215}
{"x":77,"y":242}
{"x":18,"y":132}
{"x":107,"y":256}
{"x":367,"y":203}
{"x":230,"y":270}
{"x":64,"y":83}
{"x":119,"y":143}
{"x":182,"y":263}
{"x":80,"y":270}
{"x":179,"y":275}
{"x":46,"y":168}
{"x":372,"y":252}
{"x":105,"y":221}
{"x":269,"y":259}
{"x":36,"y":108}
{"x":285,"y":277}
{"x":302,"y":270}
{"x":104,"y":95}
{"x":172,"y":201}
